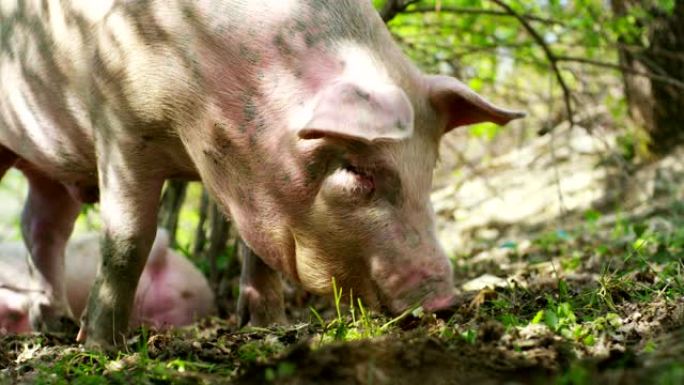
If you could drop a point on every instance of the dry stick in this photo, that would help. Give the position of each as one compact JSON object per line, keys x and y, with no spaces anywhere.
{"x":219,"y":227}
{"x":553,"y":59}
{"x":200,"y":232}
{"x":18,"y":289}
{"x":478,"y":11}
{"x":170,"y":206}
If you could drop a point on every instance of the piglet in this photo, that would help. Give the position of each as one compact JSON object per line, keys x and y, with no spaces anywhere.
{"x":171,"y":292}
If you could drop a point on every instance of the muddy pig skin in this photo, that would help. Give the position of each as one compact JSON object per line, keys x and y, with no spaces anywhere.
{"x":303,"y":119}
{"x":171,"y":292}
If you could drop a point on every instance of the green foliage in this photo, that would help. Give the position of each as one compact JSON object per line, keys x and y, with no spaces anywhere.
{"x":575,"y":375}
{"x":486,"y":131}
{"x":87,"y":368}
{"x":469,"y":336}
{"x":282,"y":371}
{"x":495,"y":53}
{"x":254,"y":351}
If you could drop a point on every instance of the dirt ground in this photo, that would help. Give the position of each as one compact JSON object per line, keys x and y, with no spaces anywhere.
{"x":637,"y":335}
{"x":412,"y":356}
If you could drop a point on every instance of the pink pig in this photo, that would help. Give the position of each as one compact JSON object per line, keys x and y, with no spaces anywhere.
{"x":303,"y":119}
{"x":171,"y":292}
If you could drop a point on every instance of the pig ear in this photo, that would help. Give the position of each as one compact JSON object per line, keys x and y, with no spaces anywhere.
{"x":346,"y":110}
{"x":461,"y":106}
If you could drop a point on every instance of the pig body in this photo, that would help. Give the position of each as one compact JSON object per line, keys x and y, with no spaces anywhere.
{"x":302,"y":118}
{"x":171,"y":292}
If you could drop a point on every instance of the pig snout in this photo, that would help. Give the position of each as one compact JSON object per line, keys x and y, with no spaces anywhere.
{"x":13,"y":314}
{"x":429,"y":285}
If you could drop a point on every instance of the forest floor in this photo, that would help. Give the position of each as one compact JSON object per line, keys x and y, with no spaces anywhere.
{"x":602,"y":302}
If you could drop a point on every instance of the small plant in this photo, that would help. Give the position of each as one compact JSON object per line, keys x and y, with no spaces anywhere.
{"x":575,"y":375}
{"x":358,"y":323}
{"x":254,"y":351}
{"x":555,"y":242}
{"x":281,"y":371}
{"x":469,"y":336}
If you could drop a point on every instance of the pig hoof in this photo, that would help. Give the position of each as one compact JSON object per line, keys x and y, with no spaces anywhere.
{"x":100,"y":346}
{"x":67,"y":326}
{"x":48,"y":318}
{"x":62,"y":324}
{"x":242,"y":315}
{"x":257,"y":312}
{"x":95,"y":342}
{"x":101,"y":330}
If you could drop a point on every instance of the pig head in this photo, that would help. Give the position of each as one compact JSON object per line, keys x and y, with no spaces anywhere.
{"x":14,"y":316}
{"x":302,"y":117}
{"x":17,"y":289}
{"x":324,"y":153}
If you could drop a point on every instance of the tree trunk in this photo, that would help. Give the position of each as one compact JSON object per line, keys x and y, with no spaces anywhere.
{"x":200,"y":231}
{"x":656,"y":105}
{"x":219,"y":229}
{"x":170,"y":205}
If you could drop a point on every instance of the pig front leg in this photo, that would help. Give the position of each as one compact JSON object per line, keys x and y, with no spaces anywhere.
{"x":128,"y":204}
{"x":261,"y":291}
{"x":46,"y":223}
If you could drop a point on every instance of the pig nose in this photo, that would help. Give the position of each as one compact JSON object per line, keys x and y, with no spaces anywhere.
{"x":439,"y":302}
{"x":431,"y":300}
{"x":432,"y":293}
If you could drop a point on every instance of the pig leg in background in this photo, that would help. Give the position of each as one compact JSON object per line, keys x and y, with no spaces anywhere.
{"x":261,"y":291}
{"x":46,"y":224}
{"x":129,"y":199}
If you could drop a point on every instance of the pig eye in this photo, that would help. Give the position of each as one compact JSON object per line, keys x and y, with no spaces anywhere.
{"x":362,"y":180}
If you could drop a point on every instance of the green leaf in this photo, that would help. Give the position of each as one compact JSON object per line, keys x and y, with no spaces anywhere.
{"x":551,"y":319}
{"x":592,"y":216}
{"x":486,"y":131}
{"x":538,"y":317}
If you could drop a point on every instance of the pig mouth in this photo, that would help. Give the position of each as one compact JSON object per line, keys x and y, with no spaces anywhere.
{"x":427,"y":295}
{"x":383,"y":303}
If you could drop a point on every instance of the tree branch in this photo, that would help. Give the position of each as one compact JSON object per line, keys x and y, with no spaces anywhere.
{"x":550,"y":56}
{"x":477,"y":11}
{"x":626,"y":69}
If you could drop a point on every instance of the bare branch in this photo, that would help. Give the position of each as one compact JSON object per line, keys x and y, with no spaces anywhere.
{"x":653,"y":51}
{"x":626,"y":69}
{"x":550,"y":56}
{"x":478,"y":11}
